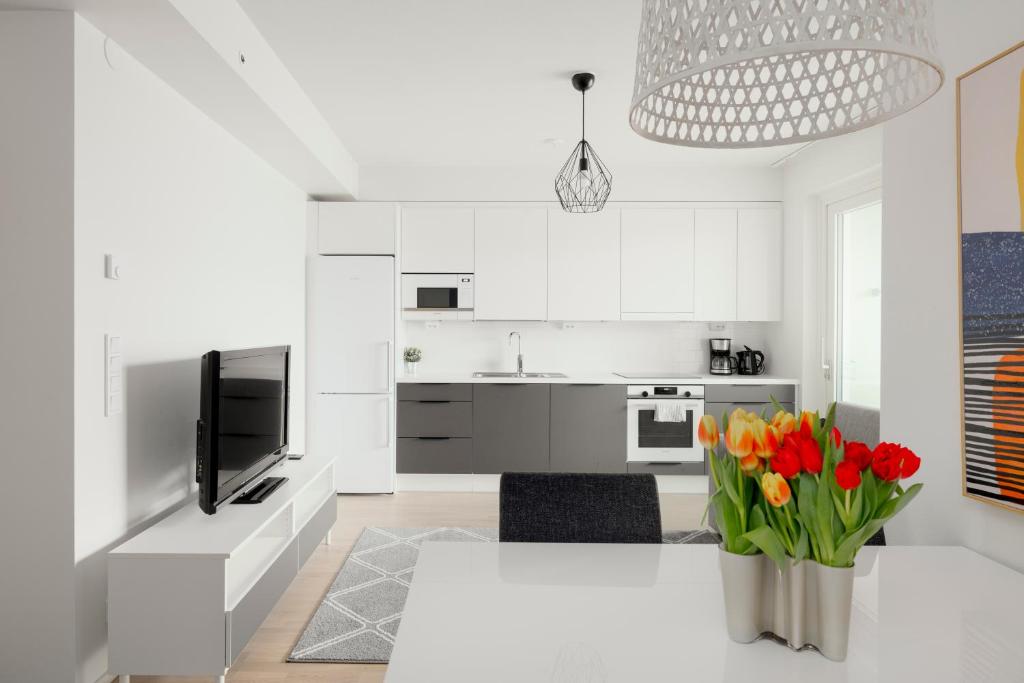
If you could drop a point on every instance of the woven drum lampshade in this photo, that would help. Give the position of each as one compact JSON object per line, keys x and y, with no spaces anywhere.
{"x":758,"y":73}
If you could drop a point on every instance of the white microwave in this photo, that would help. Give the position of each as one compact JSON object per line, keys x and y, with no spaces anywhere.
{"x":437,"y":296}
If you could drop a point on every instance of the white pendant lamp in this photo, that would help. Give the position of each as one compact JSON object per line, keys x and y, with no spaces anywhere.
{"x":758,"y":73}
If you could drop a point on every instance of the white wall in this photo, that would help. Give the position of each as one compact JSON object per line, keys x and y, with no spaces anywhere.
{"x":489,"y":183}
{"x":920,"y":366}
{"x":36,"y":316}
{"x":211,"y":242}
{"x":585,"y":347}
{"x":809,"y":178}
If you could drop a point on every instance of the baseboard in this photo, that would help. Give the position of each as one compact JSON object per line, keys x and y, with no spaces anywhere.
{"x":488,"y":483}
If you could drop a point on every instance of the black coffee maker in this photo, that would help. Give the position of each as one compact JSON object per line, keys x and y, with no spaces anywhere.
{"x":751,"y":362}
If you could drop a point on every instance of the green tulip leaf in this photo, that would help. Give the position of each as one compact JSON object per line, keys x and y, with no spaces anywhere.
{"x":765,"y":539}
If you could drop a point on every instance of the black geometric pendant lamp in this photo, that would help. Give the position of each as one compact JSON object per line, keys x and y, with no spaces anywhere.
{"x":584,"y":183}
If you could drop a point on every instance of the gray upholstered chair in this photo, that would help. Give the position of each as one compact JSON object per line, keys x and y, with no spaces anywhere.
{"x":549,"y":507}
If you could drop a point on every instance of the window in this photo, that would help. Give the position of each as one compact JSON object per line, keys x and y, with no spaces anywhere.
{"x":854,"y":319}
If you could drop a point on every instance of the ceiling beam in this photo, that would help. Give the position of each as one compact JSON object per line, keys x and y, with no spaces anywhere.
{"x":214,"y":56}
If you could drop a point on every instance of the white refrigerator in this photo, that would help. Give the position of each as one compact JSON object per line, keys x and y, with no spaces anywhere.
{"x":351,"y":369}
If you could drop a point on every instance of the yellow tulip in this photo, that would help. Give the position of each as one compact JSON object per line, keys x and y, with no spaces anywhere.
{"x":784,"y":422}
{"x":751,"y":463}
{"x":775,"y":488}
{"x":739,"y":435}
{"x":707,"y":432}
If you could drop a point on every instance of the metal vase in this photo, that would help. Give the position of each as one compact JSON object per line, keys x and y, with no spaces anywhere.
{"x":743,"y":580}
{"x":805,"y":604}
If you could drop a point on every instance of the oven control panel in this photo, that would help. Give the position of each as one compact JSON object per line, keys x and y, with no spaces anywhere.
{"x":664,"y":391}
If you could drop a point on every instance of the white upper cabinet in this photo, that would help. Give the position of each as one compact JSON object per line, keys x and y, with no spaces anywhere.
{"x":437,"y":240}
{"x":356,"y":228}
{"x":759,"y":264}
{"x":657,"y":264}
{"x":583,"y":265}
{"x":714,"y":244}
{"x":511,"y":261}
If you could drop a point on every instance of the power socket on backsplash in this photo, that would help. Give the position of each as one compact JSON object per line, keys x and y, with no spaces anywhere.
{"x":716,"y":327}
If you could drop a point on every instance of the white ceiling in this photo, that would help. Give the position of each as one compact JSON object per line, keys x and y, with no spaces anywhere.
{"x":476,"y":82}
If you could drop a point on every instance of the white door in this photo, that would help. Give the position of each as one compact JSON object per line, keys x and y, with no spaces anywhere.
{"x":356,"y":228}
{"x":657,"y":264}
{"x":356,"y":431}
{"x":583,"y":265}
{"x":851,"y":344}
{"x":714,"y":248}
{"x":437,"y":240}
{"x":511,"y":260}
{"x":351,"y":324}
{"x":759,"y":265}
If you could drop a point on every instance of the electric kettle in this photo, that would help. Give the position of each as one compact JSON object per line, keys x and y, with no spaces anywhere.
{"x":751,"y":362}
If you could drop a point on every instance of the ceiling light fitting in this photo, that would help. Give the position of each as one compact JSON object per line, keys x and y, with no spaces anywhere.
{"x":584,"y":183}
{"x":759,"y":73}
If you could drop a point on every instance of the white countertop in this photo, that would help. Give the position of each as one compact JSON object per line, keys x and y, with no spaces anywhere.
{"x":516,"y":612}
{"x":593,"y":378}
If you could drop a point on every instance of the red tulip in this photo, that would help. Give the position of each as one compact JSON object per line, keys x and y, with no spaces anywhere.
{"x":837,"y":437}
{"x":858,"y":453}
{"x":848,"y":475}
{"x":810,"y":454}
{"x":808,"y":421}
{"x":787,"y":460}
{"x":910,"y":463}
{"x":886,"y":461}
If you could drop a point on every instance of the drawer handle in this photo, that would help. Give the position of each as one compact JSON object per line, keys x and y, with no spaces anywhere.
{"x":429,"y":401}
{"x":433,"y":438}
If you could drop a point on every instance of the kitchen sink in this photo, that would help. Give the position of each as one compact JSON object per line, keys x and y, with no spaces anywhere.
{"x":520,"y":375}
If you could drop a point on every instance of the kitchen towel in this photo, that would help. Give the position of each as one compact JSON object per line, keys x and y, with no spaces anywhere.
{"x":670,"y":411}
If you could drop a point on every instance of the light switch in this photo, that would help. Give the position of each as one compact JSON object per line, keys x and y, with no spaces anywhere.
{"x":113,"y":374}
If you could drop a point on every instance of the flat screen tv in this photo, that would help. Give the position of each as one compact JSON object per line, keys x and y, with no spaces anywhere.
{"x":243,"y":420}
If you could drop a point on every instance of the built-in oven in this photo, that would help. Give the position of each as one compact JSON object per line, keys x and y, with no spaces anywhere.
{"x":662,"y":423}
{"x":437,"y":296}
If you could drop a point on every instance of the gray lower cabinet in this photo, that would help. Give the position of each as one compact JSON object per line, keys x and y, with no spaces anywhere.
{"x":511,"y":428}
{"x":588,"y":428}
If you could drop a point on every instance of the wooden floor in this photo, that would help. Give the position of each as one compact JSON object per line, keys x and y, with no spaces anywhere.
{"x":264,"y":658}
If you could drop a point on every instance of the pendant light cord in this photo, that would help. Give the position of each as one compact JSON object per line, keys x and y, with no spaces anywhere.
{"x":583,"y":124}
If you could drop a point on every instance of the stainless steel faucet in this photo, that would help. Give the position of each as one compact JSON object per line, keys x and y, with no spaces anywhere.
{"x":519,"y":351}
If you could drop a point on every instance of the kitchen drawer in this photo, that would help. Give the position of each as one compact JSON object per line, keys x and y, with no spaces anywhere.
{"x":432,"y":418}
{"x":435,"y":392}
{"x":435,"y":456}
{"x":690,"y":468}
{"x":749,"y":393}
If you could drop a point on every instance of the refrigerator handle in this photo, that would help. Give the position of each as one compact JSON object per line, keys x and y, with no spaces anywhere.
{"x":387,"y":422}
{"x":388,"y":363}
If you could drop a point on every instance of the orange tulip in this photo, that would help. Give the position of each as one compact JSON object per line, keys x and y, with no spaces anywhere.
{"x":750,"y":463}
{"x":784,"y":422}
{"x":775,"y":488}
{"x":808,"y":422}
{"x":707,"y":432}
{"x":739,"y":435}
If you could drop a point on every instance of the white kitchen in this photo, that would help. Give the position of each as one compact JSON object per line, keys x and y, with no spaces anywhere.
{"x":543,"y":340}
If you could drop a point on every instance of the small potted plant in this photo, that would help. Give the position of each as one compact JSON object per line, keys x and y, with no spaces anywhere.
{"x":412,"y":356}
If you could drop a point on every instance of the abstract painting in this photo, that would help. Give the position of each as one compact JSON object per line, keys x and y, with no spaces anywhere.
{"x":990,"y":176}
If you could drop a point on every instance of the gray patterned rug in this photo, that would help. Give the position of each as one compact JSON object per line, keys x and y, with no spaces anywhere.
{"x":358,"y":618}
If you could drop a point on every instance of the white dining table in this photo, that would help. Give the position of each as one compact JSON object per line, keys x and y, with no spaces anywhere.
{"x":597,"y":613}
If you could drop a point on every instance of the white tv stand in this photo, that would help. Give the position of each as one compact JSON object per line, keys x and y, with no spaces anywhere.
{"x":185,"y":595}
